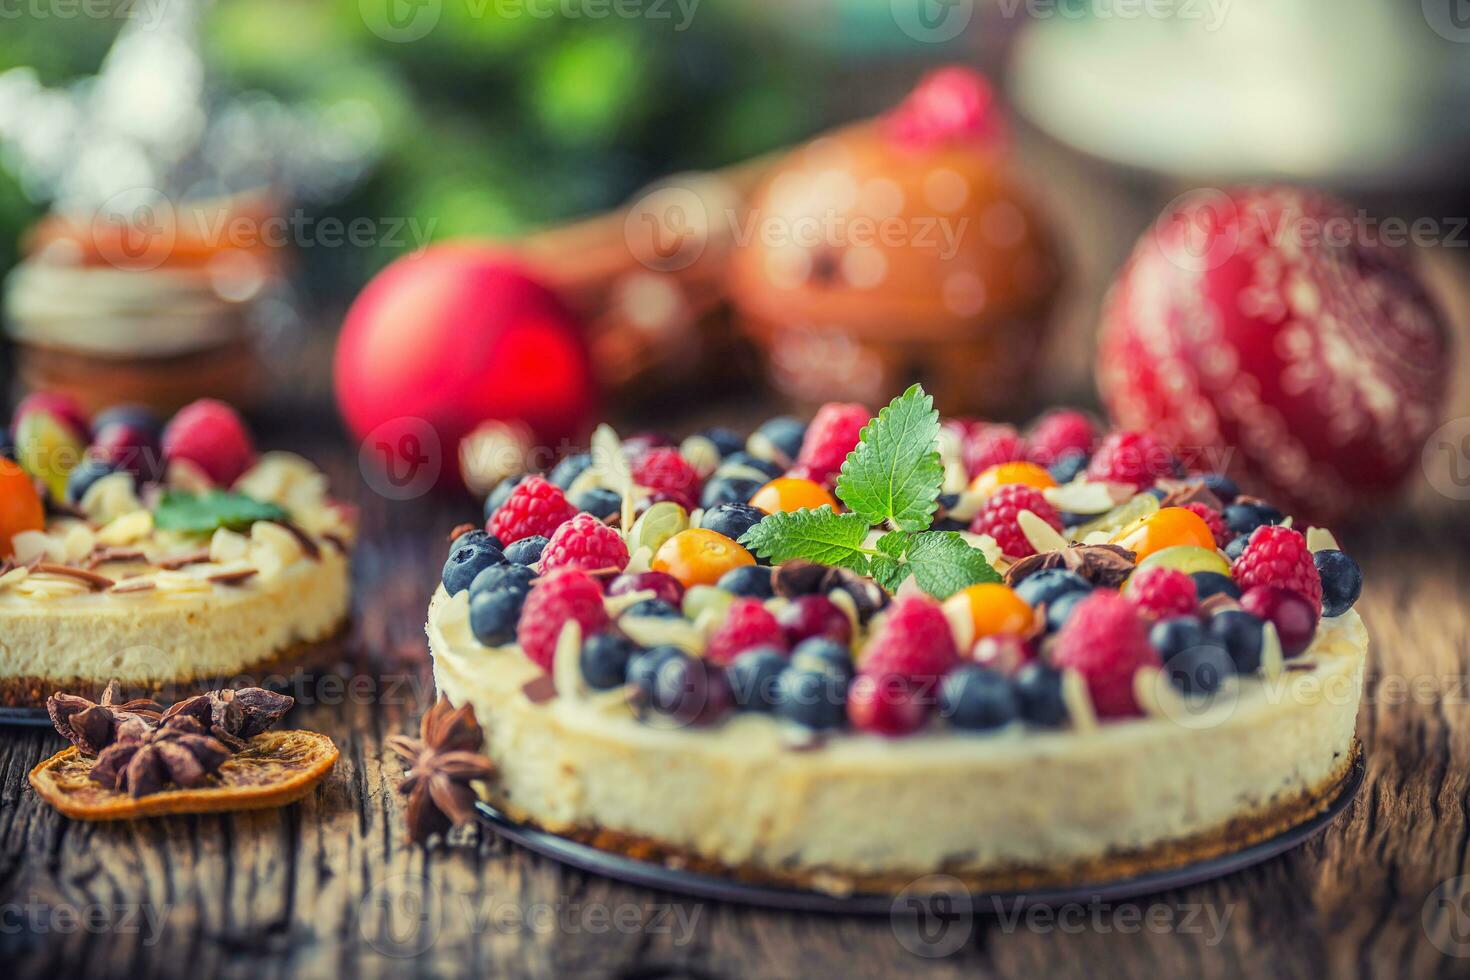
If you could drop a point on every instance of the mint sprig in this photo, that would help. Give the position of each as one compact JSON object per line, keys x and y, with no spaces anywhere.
{"x":894,"y":475}
{"x":204,"y":513}
{"x":891,"y":481}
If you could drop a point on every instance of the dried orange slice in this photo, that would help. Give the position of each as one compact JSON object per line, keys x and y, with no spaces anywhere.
{"x":275,"y":769}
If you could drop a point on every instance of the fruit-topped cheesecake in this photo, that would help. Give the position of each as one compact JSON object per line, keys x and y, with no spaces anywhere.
{"x":850,"y":653}
{"x":165,"y":557}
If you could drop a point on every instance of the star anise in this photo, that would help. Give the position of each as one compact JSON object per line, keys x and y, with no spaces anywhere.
{"x":234,"y":717}
{"x":145,"y":760}
{"x":1104,"y":565}
{"x":92,"y":726}
{"x":441,"y":763}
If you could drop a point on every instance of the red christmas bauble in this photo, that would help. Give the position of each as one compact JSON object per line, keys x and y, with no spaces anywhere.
{"x":442,"y":341}
{"x":1271,"y":332}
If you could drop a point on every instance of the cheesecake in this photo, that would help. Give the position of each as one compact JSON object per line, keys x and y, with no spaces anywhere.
{"x":1121,"y":664}
{"x":167,"y":560}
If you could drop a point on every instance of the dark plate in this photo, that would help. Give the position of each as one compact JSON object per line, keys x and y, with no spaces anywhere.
{"x":651,"y":875}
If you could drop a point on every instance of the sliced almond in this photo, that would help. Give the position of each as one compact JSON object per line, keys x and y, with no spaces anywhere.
{"x":1321,"y":539}
{"x":1078,"y":701}
{"x":127,"y":529}
{"x":1039,"y":534}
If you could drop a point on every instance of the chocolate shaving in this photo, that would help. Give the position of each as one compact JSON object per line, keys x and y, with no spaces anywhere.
{"x":175,"y":562}
{"x":799,"y":577}
{"x":459,"y":529}
{"x":1106,"y":565}
{"x":130,"y":585}
{"x":1180,"y":493}
{"x":336,"y":541}
{"x":540,"y":690}
{"x":867,"y":595}
{"x":307,"y":542}
{"x":442,"y":762}
{"x":90,"y":578}
{"x":231,"y":578}
{"x":1217,"y":603}
{"x":102,"y":556}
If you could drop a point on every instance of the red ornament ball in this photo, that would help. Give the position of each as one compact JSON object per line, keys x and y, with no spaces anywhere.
{"x":443,"y":340}
{"x":1272,"y":332}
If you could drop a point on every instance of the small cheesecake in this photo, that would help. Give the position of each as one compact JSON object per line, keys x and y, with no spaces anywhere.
{"x":1118,"y":668}
{"x":168,"y":585}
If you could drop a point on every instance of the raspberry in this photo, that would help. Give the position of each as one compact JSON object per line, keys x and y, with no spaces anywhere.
{"x":667,"y":472}
{"x":1212,"y":517}
{"x":998,"y":518}
{"x":990,"y":444}
{"x":747,"y":624}
{"x":555,"y":601}
{"x":949,"y":103}
{"x":914,"y":642}
{"x":211,"y":435}
{"x":832,"y":434}
{"x":1277,"y":555}
{"x":1162,"y":593}
{"x":1135,"y":458}
{"x":1104,"y":641}
{"x":535,"y":506}
{"x":1058,"y":434}
{"x":887,"y":704}
{"x":584,"y":542}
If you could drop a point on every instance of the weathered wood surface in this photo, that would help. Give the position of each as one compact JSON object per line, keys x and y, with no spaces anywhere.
{"x":326,"y":888}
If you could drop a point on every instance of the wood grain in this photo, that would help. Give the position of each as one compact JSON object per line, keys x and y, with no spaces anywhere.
{"x":326,"y":887}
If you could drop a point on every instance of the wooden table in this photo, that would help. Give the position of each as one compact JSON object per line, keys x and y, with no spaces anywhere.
{"x":327,"y":888}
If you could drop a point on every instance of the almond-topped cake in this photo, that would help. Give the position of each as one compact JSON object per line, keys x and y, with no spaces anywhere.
{"x":846,"y":654}
{"x":167,"y":558}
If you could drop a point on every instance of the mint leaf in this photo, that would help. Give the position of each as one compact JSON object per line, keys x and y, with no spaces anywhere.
{"x":820,"y":535}
{"x":943,"y":563}
{"x":204,"y":513}
{"x":894,"y":474}
{"x":887,"y":567}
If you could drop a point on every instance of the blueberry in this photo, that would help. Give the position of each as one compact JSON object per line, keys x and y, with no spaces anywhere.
{"x":468,"y":560}
{"x":83,"y":475}
{"x":598,"y":501}
{"x":727,"y":441}
{"x":690,"y":690}
{"x":728,"y":490}
{"x":748,"y":580}
{"x":526,"y":551}
{"x":1039,"y":693}
{"x":754,"y":678}
{"x":1342,"y":580}
{"x":1059,"y":610}
{"x":1221,"y":486}
{"x":975,"y":699}
{"x":1158,"y":493}
{"x":819,"y":653}
{"x":785,"y":433}
{"x":604,"y":659}
{"x":1234,"y":549}
{"x":1242,"y":519}
{"x":1068,"y":468}
{"x":813,"y":698}
{"x":1172,"y":637}
{"x":472,"y":535}
{"x":503,"y":578}
{"x":501,"y":494}
{"x":493,"y":616}
{"x":643,"y":667}
{"x":654,"y":608}
{"x":732,"y":519}
{"x":1242,"y":636}
{"x":7,"y":444}
{"x":1200,"y":669}
{"x":1049,"y":585}
{"x":563,"y":473}
{"x":1213,"y":583}
{"x":744,"y":459}
{"x":138,"y":417}
{"x":948,"y":502}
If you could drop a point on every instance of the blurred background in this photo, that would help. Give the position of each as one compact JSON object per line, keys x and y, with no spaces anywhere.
{"x":194,"y":195}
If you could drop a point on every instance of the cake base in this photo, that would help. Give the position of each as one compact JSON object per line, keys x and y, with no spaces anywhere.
{"x":1243,"y":842}
{"x":23,"y":699}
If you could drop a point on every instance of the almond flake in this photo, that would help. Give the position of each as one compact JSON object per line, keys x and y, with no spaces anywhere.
{"x":1321,"y":539}
{"x":1078,"y":701}
{"x":1039,"y":534}
{"x":127,"y":529}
